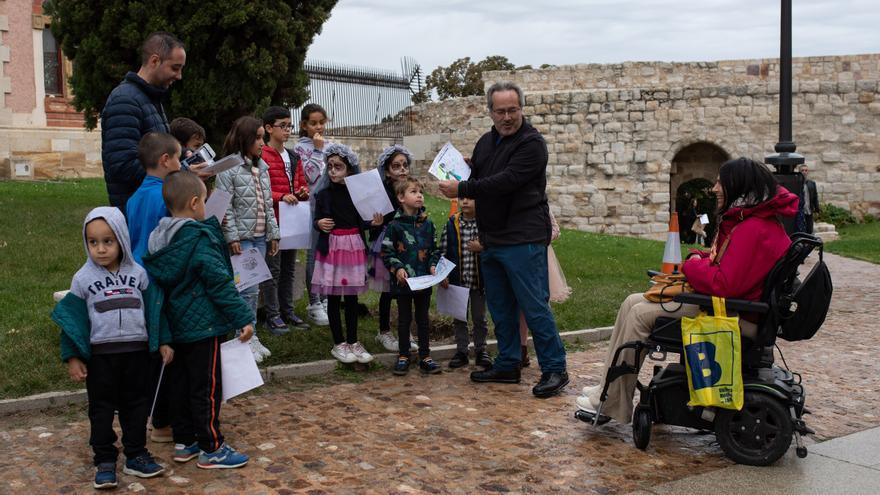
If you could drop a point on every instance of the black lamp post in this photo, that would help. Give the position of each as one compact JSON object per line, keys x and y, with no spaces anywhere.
{"x":785,"y":160}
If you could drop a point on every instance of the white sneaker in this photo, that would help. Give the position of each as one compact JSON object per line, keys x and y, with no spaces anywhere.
{"x":388,"y":341}
{"x":586,"y":403}
{"x":591,"y":391}
{"x":258,"y":347}
{"x":343,"y":353}
{"x":318,"y":314}
{"x":258,"y":356}
{"x":360,"y":353}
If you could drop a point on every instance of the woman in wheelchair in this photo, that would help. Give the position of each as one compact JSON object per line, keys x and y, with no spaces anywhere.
{"x":749,"y":242}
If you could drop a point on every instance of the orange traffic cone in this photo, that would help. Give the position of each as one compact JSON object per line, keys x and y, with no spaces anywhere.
{"x":453,"y":207}
{"x":672,"y":253}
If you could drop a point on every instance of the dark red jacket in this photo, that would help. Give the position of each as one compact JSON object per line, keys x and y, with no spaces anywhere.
{"x":282,"y":184}
{"x":758,"y":242}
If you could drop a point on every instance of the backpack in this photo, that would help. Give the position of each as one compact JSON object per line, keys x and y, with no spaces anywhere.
{"x":802,"y":311}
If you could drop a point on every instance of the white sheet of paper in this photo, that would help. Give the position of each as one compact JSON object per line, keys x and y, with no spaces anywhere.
{"x":368,"y":194}
{"x":224,"y":164}
{"x":453,"y":301}
{"x":443,"y":269}
{"x":250,"y":268}
{"x":217,"y":204}
{"x":238,"y":369}
{"x":295,"y":224}
{"x":450,"y":164}
{"x":704,"y":219}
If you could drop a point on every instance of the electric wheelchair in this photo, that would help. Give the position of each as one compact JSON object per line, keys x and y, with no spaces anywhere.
{"x":761,"y":432}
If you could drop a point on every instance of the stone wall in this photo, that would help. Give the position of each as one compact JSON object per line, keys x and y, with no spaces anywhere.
{"x":829,"y":69}
{"x":612,"y":150}
{"x":49,"y":153}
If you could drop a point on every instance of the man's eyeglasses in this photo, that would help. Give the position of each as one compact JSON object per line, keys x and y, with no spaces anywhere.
{"x":504,"y":112}
{"x":285,"y":127}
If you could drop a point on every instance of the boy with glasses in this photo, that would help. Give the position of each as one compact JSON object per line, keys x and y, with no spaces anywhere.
{"x":288,"y":185}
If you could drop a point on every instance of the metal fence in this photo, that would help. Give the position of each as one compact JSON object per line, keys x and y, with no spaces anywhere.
{"x":360,"y":101}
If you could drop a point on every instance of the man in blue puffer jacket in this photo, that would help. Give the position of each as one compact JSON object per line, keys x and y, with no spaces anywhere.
{"x":133,"y":109}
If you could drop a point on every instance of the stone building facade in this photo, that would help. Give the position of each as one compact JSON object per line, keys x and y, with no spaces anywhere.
{"x":41,"y":134}
{"x":623,"y":137}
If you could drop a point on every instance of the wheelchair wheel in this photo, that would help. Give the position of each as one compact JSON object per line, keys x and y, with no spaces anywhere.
{"x":759,"y":434}
{"x":642,"y":427}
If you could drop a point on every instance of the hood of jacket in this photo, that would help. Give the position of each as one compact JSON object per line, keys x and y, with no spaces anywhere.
{"x":178,"y":237}
{"x":784,"y":203}
{"x":116,"y":221}
{"x":419,"y":217}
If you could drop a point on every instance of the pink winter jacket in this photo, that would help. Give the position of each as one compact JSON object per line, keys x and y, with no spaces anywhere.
{"x":758,"y":242}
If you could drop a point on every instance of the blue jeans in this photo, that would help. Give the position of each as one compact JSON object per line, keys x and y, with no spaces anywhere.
{"x":251,"y":295}
{"x":516,"y":280}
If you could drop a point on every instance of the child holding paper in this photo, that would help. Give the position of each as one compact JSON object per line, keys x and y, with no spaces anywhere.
{"x":288,"y":184}
{"x":460,"y":244}
{"x":393,"y":165}
{"x":110,"y":321}
{"x":310,"y":149}
{"x":250,"y":217}
{"x":340,"y":253}
{"x":159,"y":154}
{"x":409,"y":250}
{"x":189,"y":260}
{"x":189,"y":134}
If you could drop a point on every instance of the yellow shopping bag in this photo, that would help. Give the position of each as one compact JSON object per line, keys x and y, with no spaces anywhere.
{"x":712,"y":350}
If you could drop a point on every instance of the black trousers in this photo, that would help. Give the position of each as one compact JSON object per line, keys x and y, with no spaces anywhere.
{"x":351,"y":318}
{"x":118,"y":382}
{"x":422,"y":301}
{"x":385,"y":312}
{"x":196,"y":393}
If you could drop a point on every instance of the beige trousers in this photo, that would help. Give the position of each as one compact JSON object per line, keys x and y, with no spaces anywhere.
{"x":635,"y":319}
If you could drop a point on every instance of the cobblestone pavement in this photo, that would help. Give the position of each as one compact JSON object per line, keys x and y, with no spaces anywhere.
{"x":443,"y":434}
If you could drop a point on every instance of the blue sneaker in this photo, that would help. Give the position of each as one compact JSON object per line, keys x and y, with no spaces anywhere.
{"x":143,"y":466}
{"x":105,"y":476}
{"x":223,"y":458}
{"x":184,"y":453}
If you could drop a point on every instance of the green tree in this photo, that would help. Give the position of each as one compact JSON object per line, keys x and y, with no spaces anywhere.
{"x":463,"y":77}
{"x":242,"y":55}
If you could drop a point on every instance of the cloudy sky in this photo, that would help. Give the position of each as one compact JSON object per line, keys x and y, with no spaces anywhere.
{"x":377,"y":33}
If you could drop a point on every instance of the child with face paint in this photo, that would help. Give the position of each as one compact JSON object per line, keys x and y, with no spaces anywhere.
{"x":393,"y":165}
{"x":340,"y":254}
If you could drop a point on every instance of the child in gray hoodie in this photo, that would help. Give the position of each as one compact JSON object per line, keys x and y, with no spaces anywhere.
{"x":111,"y":320}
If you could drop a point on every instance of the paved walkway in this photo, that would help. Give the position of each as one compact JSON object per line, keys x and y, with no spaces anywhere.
{"x":442,"y":434}
{"x":848,"y":465}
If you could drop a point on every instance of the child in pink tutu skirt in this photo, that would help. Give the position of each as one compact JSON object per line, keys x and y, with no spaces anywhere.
{"x":340,"y":254}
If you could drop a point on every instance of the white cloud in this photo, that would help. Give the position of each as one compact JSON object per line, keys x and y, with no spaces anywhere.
{"x":378,"y":32}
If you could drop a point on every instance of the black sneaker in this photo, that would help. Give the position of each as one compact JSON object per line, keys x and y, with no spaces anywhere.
{"x":458,"y":360}
{"x":277,"y":326}
{"x":429,"y":366}
{"x":551,"y":383}
{"x":494,"y":375}
{"x":292,"y":319}
{"x":483,"y":360}
{"x":402,"y":366}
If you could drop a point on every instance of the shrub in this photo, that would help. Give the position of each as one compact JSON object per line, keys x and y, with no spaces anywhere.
{"x":835,"y":215}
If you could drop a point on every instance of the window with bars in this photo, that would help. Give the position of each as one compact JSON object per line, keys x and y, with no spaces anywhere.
{"x":52,"y":66}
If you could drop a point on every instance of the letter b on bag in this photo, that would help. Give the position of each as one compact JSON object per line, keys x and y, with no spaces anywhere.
{"x":705,"y":371}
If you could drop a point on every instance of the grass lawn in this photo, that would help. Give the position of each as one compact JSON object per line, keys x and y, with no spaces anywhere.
{"x":860,"y":241}
{"x":41,"y":248}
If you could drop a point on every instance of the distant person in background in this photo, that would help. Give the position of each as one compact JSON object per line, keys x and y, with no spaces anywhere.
{"x":133,"y":109}
{"x":809,"y":201}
